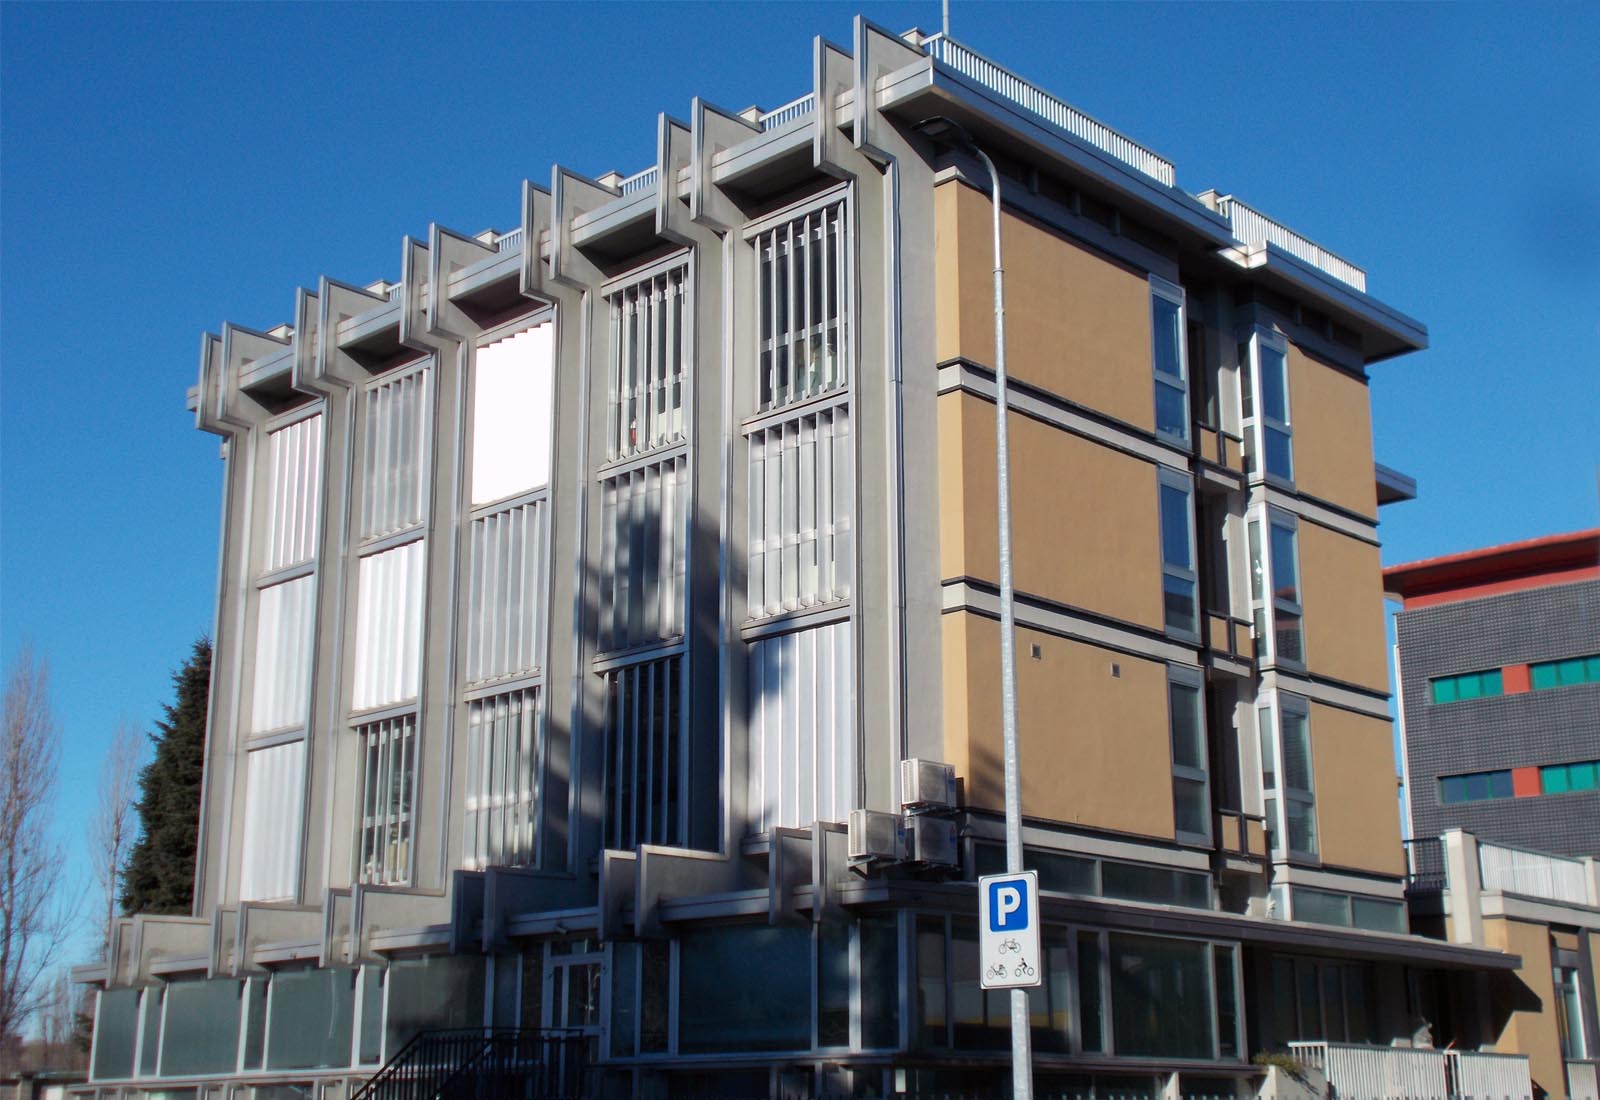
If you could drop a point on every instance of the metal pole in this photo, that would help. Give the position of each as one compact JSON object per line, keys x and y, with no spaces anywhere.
{"x":1021,"y":1039}
{"x":946,"y":27}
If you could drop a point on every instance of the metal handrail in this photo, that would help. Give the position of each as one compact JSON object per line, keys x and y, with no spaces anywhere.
{"x":541,"y":1064}
{"x":642,"y":180}
{"x":997,"y":78}
{"x":1252,"y":227}
{"x":782,"y":116}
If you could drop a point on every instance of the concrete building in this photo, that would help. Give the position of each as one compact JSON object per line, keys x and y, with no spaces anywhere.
{"x":577,"y":589}
{"x":1499,"y":668}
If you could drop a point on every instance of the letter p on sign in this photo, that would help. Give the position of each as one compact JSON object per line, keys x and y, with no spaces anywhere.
{"x":1007,"y":913}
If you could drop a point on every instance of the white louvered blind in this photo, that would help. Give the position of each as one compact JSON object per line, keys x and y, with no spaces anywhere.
{"x":645,"y":759}
{"x":503,"y":754}
{"x":805,"y":297}
{"x":270,"y":861}
{"x":512,"y":414}
{"x":801,"y":499}
{"x":388,"y":795}
{"x":649,"y":350}
{"x":282,"y":681}
{"x":643,"y":552}
{"x":802,"y":728}
{"x":295,"y":455}
{"x":394,"y":466}
{"x":389,"y":627}
{"x":506,"y":604}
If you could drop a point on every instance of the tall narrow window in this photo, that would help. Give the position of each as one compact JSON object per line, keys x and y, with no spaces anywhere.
{"x":1191,"y":796}
{"x":512,"y":414}
{"x":646,"y":766}
{"x":1275,"y":585}
{"x":388,"y":800}
{"x":270,"y":863}
{"x":1286,"y":777}
{"x":804,"y":291}
{"x":294,"y":453}
{"x":801,"y":502}
{"x":388,"y":652}
{"x":802,"y":728}
{"x":644,"y":553}
{"x":503,"y":770}
{"x":1179,"y":578}
{"x":646,"y":390}
{"x":394,"y":466}
{"x":1269,"y":439}
{"x":1167,"y":355}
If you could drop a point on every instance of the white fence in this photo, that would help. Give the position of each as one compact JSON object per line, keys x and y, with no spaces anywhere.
{"x":1532,"y":874}
{"x":999,"y":79}
{"x":782,"y":116}
{"x":1253,"y":227}
{"x":1405,"y":1073}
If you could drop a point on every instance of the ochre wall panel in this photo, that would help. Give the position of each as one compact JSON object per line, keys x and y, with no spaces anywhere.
{"x":1077,"y":322}
{"x":1358,"y":812}
{"x":1332,"y":417}
{"x":1094,"y":746}
{"x":1531,"y":1032}
{"x":1084,"y":524}
{"x":1342,"y":594}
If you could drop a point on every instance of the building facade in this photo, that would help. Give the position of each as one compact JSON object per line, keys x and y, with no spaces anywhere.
{"x":1498,"y":656}
{"x":577,"y":588}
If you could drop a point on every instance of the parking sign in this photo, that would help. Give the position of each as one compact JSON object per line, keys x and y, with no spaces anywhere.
{"x":1008,"y":931}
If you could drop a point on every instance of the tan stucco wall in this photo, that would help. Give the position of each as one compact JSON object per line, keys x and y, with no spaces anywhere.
{"x":1531,"y":1032}
{"x":1084,"y":522}
{"x":1358,"y":811}
{"x":1094,"y":747}
{"x":1077,"y":322}
{"x":1342,"y":594}
{"x":1332,"y":418}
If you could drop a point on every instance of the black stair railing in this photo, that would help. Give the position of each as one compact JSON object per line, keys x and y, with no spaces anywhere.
{"x":483,"y":1064}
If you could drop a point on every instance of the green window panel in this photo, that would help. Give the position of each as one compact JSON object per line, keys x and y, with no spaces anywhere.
{"x":1467,"y":685}
{"x":1567,"y":672}
{"x":1476,"y":787}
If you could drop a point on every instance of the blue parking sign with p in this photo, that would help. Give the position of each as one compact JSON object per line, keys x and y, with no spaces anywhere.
{"x":1008,"y":905}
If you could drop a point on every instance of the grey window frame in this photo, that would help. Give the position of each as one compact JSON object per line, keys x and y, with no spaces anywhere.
{"x":1168,"y":291}
{"x":1191,"y":678}
{"x":1257,"y":423}
{"x":1272,"y":706}
{"x":1190,"y":574}
{"x":1265,"y":602}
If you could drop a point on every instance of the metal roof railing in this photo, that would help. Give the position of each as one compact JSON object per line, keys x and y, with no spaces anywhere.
{"x":782,"y":116}
{"x":997,"y":78}
{"x":1253,"y":227}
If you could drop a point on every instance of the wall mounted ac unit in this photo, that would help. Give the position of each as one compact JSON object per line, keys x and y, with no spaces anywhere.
{"x":927,"y":785}
{"x":875,"y":835}
{"x":933,"y":841}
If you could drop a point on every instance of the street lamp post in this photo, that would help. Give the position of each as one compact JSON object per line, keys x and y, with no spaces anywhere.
{"x":953,"y":133}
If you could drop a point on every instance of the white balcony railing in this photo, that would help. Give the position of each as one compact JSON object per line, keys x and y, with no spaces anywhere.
{"x":1583,"y":1081}
{"x":997,"y":78}
{"x":1253,"y":227}
{"x":1506,"y":870}
{"x":1406,"y":1073}
{"x":782,"y":116}
{"x":509,"y":242}
{"x":639,"y":181}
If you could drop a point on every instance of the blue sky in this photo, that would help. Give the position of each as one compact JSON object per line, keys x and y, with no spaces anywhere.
{"x":166,"y":168}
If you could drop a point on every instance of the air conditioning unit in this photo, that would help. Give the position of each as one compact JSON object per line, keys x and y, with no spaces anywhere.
{"x":933,"y":841}
{"x":877,"y":836}
{"x":927,"y":785}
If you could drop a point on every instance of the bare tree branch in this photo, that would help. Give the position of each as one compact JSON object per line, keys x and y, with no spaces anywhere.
{"x":33,"y":919}
{"x":111,"y":828}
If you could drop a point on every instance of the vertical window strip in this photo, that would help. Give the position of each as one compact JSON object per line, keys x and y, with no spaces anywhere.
{"x":1190,"y":773}
{"x":1266,"y":407}
{"x":1287,"y":775}
{"x":649,"y":355}
{"x":295,"y":455}
{"x":270,"y":862}
{"x":802,"y":728}
{"x":388,"y":657}
{"x":803,"y":268}
{"x":388,"y":800}
{"x":506,"y":601}
{"x":1275,"y":586}
{"x":396,"y":429}
{"x":1180,"y":580}
{"x":645,"y":758}
{"x":504,"y":753}
{"x":644,"y":552}
{"x":281,"y":686}
{"x":1168,"y":348}
{"x":801,"y":501}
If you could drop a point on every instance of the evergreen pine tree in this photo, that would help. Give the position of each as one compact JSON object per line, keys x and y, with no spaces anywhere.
{"x":160,"y":873}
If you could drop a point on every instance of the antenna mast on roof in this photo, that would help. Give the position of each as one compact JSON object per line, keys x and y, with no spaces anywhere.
{"x":947,"y":18}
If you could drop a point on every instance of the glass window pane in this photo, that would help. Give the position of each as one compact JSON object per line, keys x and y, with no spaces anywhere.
{"x":1164,"y":320}
{"x":1188,"y":739}
{"x":1287,"y":635}
{"x":1581,"y":777}
{"x":1554,"y":779}
{"x":880,"y":983}
{"x":1296,"y":751}
{"x":1543,"y":676}
{"x":1269,"y":755}
{"x":255,"y":1024}
{"x":624,"y":999}
{"x":1493,"y":682}
{"x":1452,"y":789}
{"x":976,"y":1014}
{"x":202,"y":1028}
{"x":657,"y":989}
{"x":931,"y":1016}
{"x":1172,"y":410}
{"x":1227,"y":1003}
{"x":1302,"y":826}
{"x":1280,"y":454}
{"x":1162,"y":1002}
{"x":1175,"y":527}
{"x":1444,"y":690}
{"x":150,"y":1047}
{"x":311,"y":1019}
{"x":1285,"y":580}
{"x":435,"y":991}
{"x":116,"y":1022}
{"x":1091,"y":1007}
{"x":727,"y":1002}
{"x":1378,"y":914}
{"x":1190,"y":806}
{"x":1320,"y":907}
{"x":833,"y":984}
{"x":1500,"y":784}
{"x":1274,"y":392}
{"x":1178,"y":600}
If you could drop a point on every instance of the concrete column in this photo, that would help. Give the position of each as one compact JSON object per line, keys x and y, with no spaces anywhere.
{"x":1463,"y":886}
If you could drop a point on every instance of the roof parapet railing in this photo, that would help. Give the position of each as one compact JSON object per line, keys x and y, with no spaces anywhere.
{"x":997,"y":78}
{"x":639,"y":181}
{"x":1252,"y":227}
{"x":509,"y":242}
{"x":782,"y":116}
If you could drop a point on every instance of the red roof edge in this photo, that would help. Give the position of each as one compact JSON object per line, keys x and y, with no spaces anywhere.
{"x":1552,"y":559}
